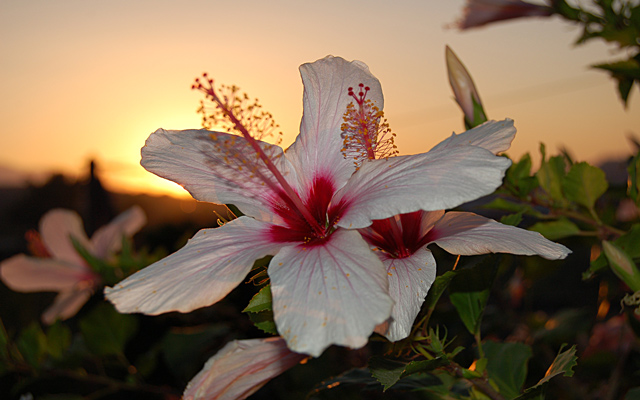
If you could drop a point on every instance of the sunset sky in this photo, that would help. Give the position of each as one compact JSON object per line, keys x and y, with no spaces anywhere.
{"x":92,"y":79}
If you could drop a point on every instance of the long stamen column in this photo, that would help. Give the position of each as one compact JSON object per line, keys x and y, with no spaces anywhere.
{"x":239,"y":126}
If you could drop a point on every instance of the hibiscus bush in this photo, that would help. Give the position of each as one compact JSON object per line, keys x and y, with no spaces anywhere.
{"x":342,"y":269}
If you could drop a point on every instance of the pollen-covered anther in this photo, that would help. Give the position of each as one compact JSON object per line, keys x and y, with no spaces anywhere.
{"x":229,"y":110}
{"x":365,"y":132}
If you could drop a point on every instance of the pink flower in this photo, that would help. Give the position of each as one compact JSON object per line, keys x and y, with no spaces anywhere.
{"x":64,"y":270}
{"x":304,"y":207}
{"x":402,"y":239}
{"x":482,"y":12}
{"x":241,"y":368}
{"x":613,"y":336}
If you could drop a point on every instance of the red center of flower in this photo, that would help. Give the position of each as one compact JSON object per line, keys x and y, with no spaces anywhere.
{"x":296,"y":228}
{"x":399,"y":236}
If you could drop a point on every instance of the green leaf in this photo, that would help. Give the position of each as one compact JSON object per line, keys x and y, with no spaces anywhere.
{"x":32,"y":344}
{"x":554,"y":230}
{"x":625,"y":72}
{"x":550,"y":176}
{"x":355,"y":381}
{"x":633,"y":394}
{"x":584,"y":184}
{"x":96,"y":264}
{"x":4,"y":343}
{"x":469,"y":292}
{"x":512,"y":219}
{"x":259,"y":309}
{"x":622,"y":265}
{"x":261,"y":301}
{"x":627,"y":243}
{"x":507,"y":366}
{"x":504,"y":205}
{"x":633,"y":169}
{"x":561,"y":7}
{"x":388,"y":371}
{"x":263,"y":320}
{"x":435,"y":292}
{"x":58,"y":339}
{"x":518,"y":178}
{"x":562,"y":365}
{"x":105,"y":331}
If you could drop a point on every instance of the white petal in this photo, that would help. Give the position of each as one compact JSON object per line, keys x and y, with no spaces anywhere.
{"x":334,"y":293}
{"x":29,"y":274}
{"x":240,"y":368}
{"x":108,"y":239}
{"x":66,"y":305}
{"x":409,"y":281}
{"x":212,"y":263}
{"x":317,"y":150}
{"x":468,"y":234}
{"x":440,"y":179}
{"x":56,"y":229}
{"x":209,"y":165}
{"x":495,"y":136}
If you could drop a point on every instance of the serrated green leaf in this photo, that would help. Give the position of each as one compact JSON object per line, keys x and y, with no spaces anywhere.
{"x":261,"y":301}
{"x":481,"y":365}
{"x":415,"y":367}
{"x":263,"y":320}
{"x":563,"y":364}
{"x":435,"y":292}
{"x":105,"y":331}
{"x":584,"y":184}
{"x":550,"y":176}
{"x":507,"y":366}
{"x":627,"y":242}
{"x":518,"y":177}
{"x":504,"y":205}
{"x":622,"y":265}
{"x":519,"y":170}
{"x":512,"y":219}
{"x":360,"y":379}
{"x":58,"y":339}
{"x":388,"y":371}
{"x":554,"y":230}
{"x":625,"y":72}
{"x":32,"y":344}
{"x":469,"y":292}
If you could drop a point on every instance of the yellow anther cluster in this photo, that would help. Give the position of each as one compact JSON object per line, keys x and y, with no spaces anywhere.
{"x":249,"y":113}
{"x":366,"y":134}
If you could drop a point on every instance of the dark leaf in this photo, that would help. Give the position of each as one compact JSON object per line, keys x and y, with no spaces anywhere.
{"x":507,"y":366}
{"x":106,"y":331}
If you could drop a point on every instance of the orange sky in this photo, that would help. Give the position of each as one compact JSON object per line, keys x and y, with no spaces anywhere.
{"x":89,"y":79}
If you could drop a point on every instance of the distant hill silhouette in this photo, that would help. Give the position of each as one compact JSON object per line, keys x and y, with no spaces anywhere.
{"x":169,"y":219}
